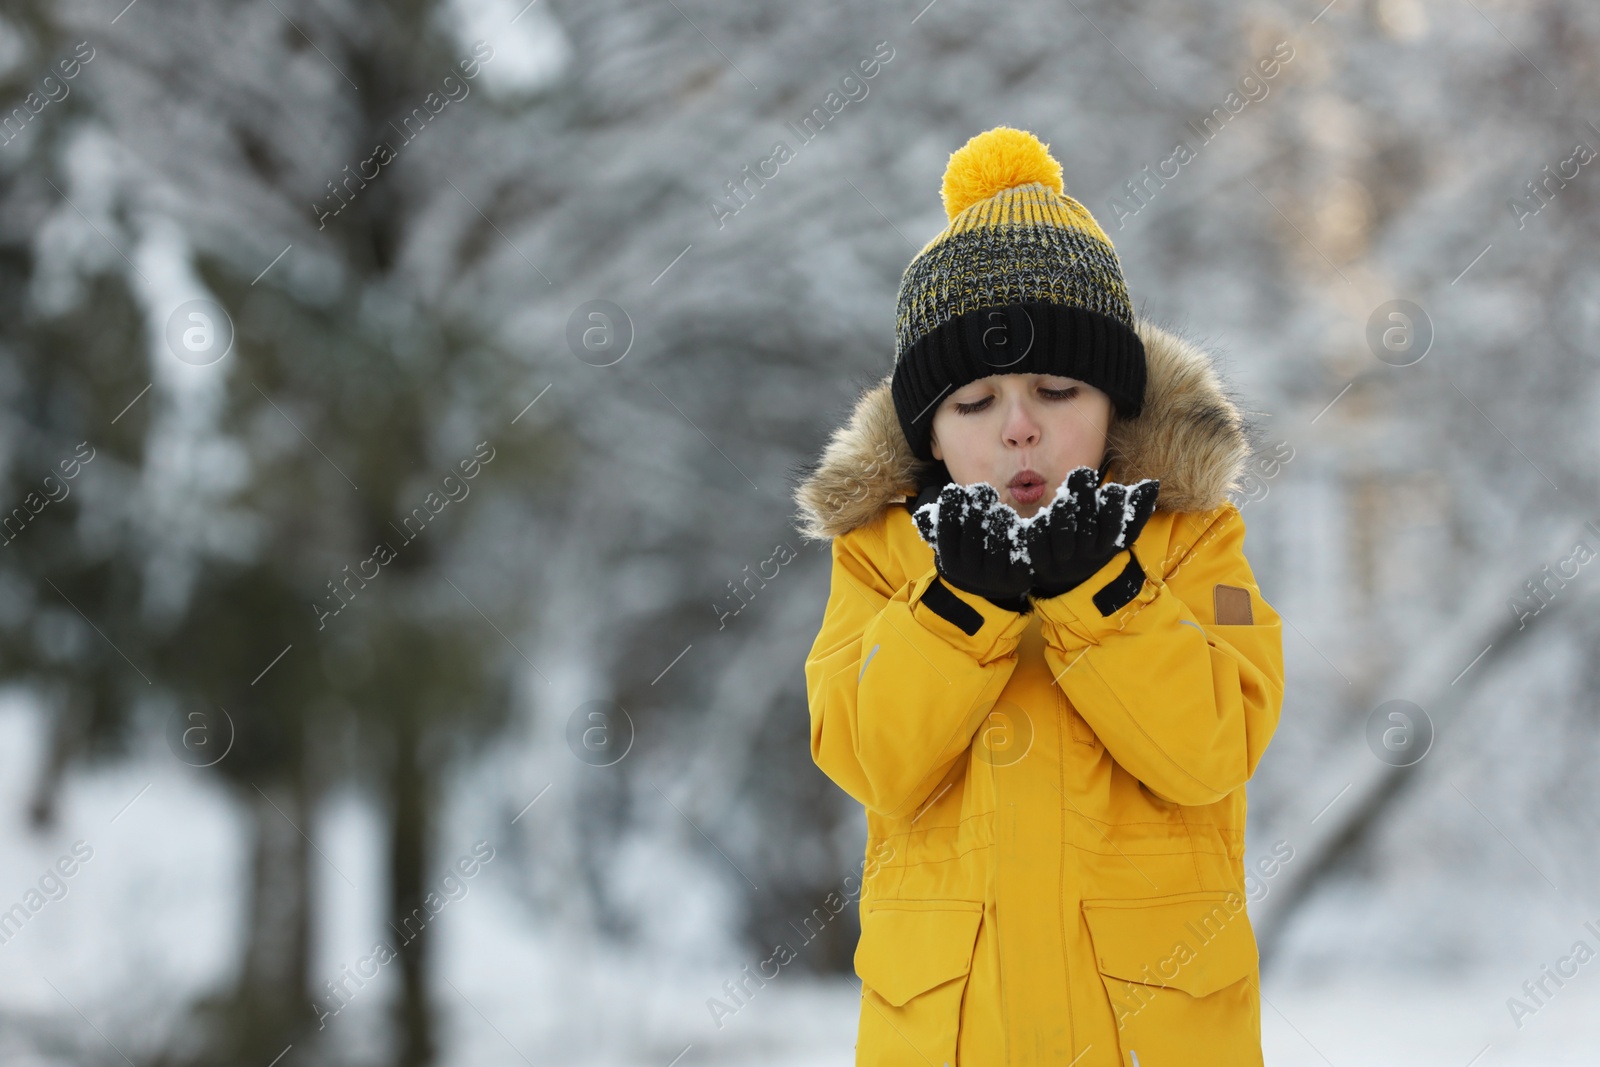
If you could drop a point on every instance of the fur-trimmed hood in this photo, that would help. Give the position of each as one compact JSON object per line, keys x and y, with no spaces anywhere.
{"x":1190,"y":434}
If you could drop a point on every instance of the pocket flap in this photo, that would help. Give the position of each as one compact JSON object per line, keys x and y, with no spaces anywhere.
{"x":909,"y":946}
{"x":1196,"y":942}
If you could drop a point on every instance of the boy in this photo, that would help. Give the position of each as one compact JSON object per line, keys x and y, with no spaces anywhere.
{"x":1047,"y":688}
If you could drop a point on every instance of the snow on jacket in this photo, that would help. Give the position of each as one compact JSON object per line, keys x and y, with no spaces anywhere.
{"x":1055,"y":800}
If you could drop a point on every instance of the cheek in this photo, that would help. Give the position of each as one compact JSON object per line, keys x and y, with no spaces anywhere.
{"x":960,"y":451}
{"x":1079,"y":433}
{"x":1073,"y":422}
{"x":1086,"y":423}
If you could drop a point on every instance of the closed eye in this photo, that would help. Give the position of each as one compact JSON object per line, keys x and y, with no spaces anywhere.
{"x":1052,"y":394}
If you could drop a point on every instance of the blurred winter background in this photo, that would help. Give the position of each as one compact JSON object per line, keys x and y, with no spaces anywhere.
{"x":533,"y":785}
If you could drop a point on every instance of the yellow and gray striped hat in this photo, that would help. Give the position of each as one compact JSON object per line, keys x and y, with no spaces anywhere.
{"x":1022,"y":281}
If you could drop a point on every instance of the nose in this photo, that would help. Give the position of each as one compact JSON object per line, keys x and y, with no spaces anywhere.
{"x":1021,"y":429}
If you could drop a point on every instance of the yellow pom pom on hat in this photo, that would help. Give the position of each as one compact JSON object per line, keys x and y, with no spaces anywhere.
{"x":1022,"y":281}
{"x":993,"y":162}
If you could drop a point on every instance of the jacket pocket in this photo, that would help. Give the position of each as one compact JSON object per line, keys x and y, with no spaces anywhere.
{"x":1181,"y":973}
{"x":913,"y":960}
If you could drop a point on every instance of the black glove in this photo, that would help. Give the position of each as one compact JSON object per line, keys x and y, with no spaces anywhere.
{"x":977,"y":542}
{"x":1081,"y":530}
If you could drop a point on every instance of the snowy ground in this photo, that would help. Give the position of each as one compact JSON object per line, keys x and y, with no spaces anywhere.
{"x":149,"y":917}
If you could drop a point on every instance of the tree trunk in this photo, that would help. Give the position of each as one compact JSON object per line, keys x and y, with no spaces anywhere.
{"x":270,"y":1004}
{"x":410,"y":789}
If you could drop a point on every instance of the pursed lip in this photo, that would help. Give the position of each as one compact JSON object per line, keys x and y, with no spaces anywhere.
{"x":1025,"y":478}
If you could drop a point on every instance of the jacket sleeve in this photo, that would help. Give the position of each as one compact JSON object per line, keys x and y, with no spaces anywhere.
{"x":901,"y":675}
{"x":1184,"y":702}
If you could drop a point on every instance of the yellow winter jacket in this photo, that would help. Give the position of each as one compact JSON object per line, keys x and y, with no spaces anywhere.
{"x":1055,"y":800}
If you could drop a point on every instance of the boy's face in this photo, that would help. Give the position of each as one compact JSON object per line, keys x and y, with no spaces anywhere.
{"x":998,"y":428}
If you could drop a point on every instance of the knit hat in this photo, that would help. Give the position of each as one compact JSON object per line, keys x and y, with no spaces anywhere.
{"x":1022,"y":281}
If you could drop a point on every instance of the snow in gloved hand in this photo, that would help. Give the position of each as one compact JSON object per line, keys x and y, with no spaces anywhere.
{"x":999,"y":521}
{"x":1002,"y":520}
{"x":1066,"y":500}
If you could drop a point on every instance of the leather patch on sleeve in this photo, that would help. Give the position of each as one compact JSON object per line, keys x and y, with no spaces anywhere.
{"x":1231,"y":605}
